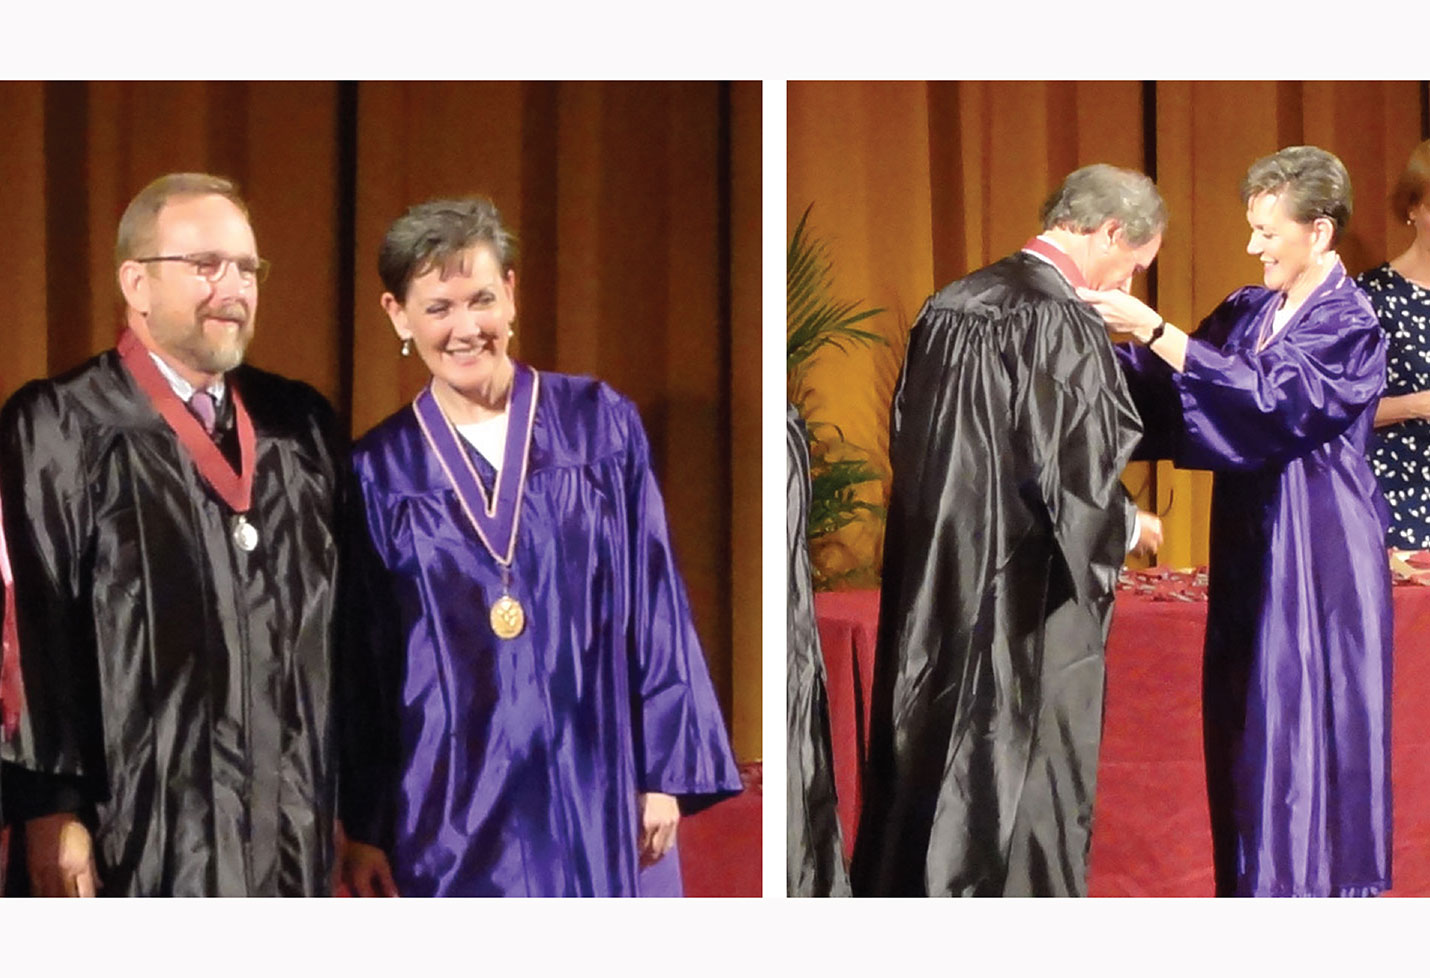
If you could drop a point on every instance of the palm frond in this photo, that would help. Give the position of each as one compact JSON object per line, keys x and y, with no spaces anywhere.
{"x":814,"y":318}
{"x":816,"y":321}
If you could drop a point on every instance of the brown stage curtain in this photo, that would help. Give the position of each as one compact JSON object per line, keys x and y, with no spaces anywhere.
{"x":915,"y":184}
{"x":637,"y":211}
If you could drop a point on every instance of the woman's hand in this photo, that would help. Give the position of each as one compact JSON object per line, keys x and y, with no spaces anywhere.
{"x":660,"y":814}
{"x":1123,"y":313}
{"x":366,"y":871}
{"x":61,"y":856}
{"x":1130,"y":316}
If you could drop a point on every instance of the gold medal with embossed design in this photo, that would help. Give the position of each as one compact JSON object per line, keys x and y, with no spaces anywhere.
{"x":508,"y":618}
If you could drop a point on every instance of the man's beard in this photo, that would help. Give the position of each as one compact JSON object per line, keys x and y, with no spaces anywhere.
{"x":193,"y":346}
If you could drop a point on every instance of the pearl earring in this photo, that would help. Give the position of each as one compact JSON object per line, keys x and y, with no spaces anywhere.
{"x":407,"y":347}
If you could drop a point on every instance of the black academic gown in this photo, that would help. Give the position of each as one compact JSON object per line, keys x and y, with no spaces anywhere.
{"x":814,"y":852}
{"x":177,"y":688}
{"x":1007,"y":525}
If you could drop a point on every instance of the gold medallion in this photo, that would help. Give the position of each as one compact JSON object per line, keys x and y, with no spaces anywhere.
{"x":508,"y":618}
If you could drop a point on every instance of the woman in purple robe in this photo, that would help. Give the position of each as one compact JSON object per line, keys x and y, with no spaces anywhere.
{"x":525,"y":707}
{"x":1276,"y":393}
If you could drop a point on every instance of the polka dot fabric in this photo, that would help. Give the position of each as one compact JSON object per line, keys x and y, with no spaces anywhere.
{"x":1400,"y":453}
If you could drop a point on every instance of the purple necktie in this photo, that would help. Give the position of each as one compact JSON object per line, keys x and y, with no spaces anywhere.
{"x":202,"y":404}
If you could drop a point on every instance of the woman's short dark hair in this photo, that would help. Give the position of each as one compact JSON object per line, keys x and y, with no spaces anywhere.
{"x":1410,"y":188}
{"x":1310,"y":181}
{"x":436,"y":235}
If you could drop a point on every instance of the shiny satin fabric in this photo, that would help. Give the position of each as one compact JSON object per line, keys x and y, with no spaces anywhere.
{"x":9,"y":660}
{"x":512,"y":767}
{"x":10,"y":691}
{"x":814,"y":846}
{"x":1007,"y":525}
{"x":1296,"y":700}
{"x":176,"y":687}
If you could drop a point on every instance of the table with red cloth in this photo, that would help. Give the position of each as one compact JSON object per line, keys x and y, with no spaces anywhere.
{"x":720,"y":847}
{"x":1151,"y":835}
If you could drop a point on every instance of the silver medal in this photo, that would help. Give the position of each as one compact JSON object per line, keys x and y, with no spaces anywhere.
{"x":245,"y":534}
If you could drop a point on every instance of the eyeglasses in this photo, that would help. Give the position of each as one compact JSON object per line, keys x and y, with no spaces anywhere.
{"x":211,"y":266}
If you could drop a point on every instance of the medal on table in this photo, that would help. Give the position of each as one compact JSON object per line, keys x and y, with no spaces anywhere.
{"x":234,"y":487}
{"x":494,"y":519}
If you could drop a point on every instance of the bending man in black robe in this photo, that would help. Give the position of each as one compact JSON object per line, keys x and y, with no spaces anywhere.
{"x":1007,"y":526}
{"x":170,"y":521}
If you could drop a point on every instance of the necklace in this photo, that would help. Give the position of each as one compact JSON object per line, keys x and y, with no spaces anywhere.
{"x":496,"y":519}
{"x":233,"y":486}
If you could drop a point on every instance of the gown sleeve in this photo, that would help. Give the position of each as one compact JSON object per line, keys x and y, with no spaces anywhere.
{"x":1244,"y":409}
{"x":9,"y":658}
{"x":1077,"y":423}
{"x":681,"y":743}
{"x":814,"y":845}
{"x":53,"y":761}
{"x":369,"y":672}
{"x":9,"y":644}
{"x":1149,"y":381}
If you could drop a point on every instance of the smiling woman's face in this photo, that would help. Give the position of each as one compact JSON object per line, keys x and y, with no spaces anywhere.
{"x":459,"y":319}
{"x":1286,"y":248}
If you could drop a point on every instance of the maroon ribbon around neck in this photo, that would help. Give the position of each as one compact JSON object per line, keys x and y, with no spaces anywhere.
{"x":1060,"y":260}
{"x":234,"y":488}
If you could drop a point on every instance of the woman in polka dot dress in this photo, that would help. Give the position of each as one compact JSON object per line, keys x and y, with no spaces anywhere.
{"x":1400,"y":292}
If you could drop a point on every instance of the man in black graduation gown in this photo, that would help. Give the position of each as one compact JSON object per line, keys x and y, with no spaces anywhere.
{"x":1007,"y":525}
{"x":170,"y":520}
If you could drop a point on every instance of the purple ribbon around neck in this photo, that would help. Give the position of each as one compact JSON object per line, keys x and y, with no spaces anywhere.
{"x":494,"y":519}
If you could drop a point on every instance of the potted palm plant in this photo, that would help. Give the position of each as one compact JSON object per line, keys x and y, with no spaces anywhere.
{"x":816,"y":321}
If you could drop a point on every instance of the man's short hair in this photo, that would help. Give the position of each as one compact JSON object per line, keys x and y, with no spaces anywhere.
{"x":141,"y":217}
{"x":1410,"y":188}
{"x":1101,"y":192}
{"x":436,"y":235}
{"x":1310,"y":181}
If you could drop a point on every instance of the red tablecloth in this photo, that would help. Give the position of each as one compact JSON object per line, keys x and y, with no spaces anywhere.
{"x":1151,"y":836}
{"x":720,"y":847}
{"x":847,"y":622}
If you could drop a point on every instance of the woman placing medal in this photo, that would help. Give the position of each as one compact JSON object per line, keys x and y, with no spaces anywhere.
{"x":525,"y":709}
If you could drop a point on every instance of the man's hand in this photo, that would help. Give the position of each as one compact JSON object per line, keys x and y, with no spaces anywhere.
{"x":1149,"y":534}
{"x":660,"y":814}
{"x":61,"y":856}
{"x":366,"y":871}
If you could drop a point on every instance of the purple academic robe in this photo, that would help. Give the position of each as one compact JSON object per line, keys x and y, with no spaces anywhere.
{"x":511,"y":767}
{"x":1296,"y":698}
